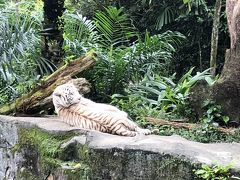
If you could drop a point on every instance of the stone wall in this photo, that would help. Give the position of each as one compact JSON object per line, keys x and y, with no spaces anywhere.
{"x":45,"y":148}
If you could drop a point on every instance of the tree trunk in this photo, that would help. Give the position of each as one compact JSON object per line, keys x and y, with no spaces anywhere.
{"x":214,"y":40}
{"x":39,"y":99}
{"x":53,"y":31}
{"x":179,"y":124}
{"x":226,"y":91}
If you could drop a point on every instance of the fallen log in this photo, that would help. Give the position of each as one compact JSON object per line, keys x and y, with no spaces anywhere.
{"x":39,"y":99}
{"x":179,"y":124}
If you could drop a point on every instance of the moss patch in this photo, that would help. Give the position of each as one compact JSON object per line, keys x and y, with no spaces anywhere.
{"x":43,"y":153}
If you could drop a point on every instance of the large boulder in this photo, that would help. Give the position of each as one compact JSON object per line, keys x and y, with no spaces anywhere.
{"x":41,"y":148}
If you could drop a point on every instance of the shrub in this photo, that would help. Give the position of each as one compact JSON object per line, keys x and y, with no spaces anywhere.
{"x":166,"y":95}
{"x":19,"y":50}
{"x":217,"y":171}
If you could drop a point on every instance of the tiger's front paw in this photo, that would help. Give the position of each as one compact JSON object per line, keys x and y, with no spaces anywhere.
{"x":143,"y":131}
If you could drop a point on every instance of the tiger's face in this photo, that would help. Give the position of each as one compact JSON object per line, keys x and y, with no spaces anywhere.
{"x":66,"y":95}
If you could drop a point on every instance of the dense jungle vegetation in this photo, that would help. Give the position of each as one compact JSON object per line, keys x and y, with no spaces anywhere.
{"x":150,"y":54}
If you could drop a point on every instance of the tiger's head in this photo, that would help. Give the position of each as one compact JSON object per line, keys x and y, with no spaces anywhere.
{"x":65,"y":95}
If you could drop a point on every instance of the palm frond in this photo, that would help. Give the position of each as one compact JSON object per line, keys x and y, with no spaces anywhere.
{"x":78,"y":27}
{"x":16,"y":38}
{"x":166,"y":16}
{"x":154,"y":54}
{"x":115,"y":27}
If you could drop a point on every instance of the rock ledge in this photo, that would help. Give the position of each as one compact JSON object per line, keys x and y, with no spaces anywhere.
{"x":95,"y":155}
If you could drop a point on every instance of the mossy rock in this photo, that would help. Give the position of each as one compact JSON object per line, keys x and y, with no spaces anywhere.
{"x":43,"y":155}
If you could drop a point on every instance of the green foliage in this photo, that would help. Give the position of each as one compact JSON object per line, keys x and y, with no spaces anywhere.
{"x":167,"y":15}
{"x":115,"y":27}
{"x":109,"y":75}
{"x":193,"y":18}
{"x":196,"y":6}
{"x":214,"y":114}
{"x":205,"y":133}
{"x":79,"y":27}
{"x":135,"y":107}
{"x":198,"y":134}
{"x":19,"y":50}
{"x":159,"y":96}
{"x":171,"y":10}
{"x":215,"y":172}
{"x":80,"y":35}
{"x":164,"y":93}
{"x":87,"y":8}
{"x":115,"y":69}
{"x":17,"y":38}
{"x":153,"y":53}
{"x":201,"y":133}
{"x":119,"y":61}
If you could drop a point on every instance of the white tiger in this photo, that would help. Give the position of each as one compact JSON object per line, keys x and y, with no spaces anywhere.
{"x":81,"y":112}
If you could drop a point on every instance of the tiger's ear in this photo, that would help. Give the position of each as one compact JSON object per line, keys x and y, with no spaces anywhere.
{"x":71,"y":82}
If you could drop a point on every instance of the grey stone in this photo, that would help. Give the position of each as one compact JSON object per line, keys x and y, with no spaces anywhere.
{"x":111,"y":156}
